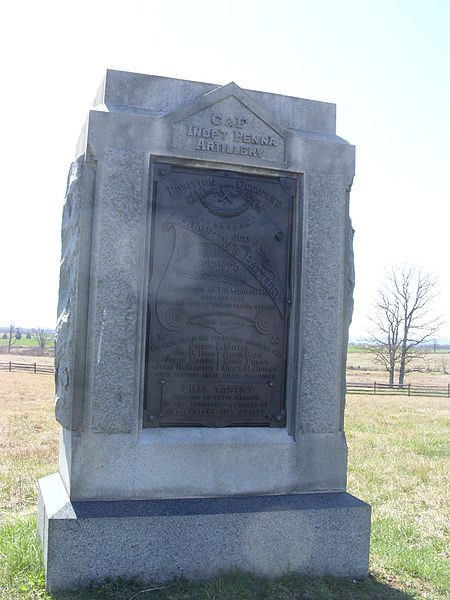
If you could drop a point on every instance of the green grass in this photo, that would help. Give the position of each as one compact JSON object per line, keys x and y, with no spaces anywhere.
{"x":400,"y":545}
{"x":26,"y":343}
{"x":21,"y":569}
{"x":398,"y":462}
{"x":353,"y":348}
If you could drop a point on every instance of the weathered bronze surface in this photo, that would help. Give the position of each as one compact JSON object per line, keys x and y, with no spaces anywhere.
{"x":218,"y":298}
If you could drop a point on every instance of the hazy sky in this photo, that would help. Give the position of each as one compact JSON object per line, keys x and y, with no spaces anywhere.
{"x":385,"y":63}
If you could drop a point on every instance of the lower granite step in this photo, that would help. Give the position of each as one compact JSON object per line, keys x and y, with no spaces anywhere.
{"x":155,"y":540}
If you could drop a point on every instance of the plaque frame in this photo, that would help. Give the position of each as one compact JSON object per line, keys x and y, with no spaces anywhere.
{"x":293,"y":186}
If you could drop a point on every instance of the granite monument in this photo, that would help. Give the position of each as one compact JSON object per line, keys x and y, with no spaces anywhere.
{"x":205,"y":298}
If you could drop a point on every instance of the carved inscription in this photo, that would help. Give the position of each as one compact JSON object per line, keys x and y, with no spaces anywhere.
{"x":229,"y":128}
{"x":218,"y":298}
{"x":228,"y":135}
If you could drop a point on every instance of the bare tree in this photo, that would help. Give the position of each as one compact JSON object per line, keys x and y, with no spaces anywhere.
{"x":11,"y":336}
{"x":385,"y":342}
{"x":42,"y":336}
{"x":403,"y":319}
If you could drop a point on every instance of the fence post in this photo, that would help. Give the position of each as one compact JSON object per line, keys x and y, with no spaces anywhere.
{"x":35,"y":367}
{"x":374,"y":388}
{"x":409,"y":389}
{"x":10,"y":366}
{"x":448,"y":390}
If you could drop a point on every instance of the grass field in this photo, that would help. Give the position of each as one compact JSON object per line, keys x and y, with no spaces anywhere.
{"x":398,"y":462}
{"x":432,"y":369}
{"x":26,"y":343}
{"x":26,"y":358}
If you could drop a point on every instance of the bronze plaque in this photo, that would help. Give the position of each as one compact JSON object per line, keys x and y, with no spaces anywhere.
{"x":218,"y":298}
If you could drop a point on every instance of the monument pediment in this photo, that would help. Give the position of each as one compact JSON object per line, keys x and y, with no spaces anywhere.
{"x":226,"y":122}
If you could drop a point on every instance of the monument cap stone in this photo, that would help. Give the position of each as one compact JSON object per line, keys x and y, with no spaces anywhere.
{"x":205,"y":297}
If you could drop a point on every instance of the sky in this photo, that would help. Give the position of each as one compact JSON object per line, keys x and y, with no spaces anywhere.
{"x":384,"y":63}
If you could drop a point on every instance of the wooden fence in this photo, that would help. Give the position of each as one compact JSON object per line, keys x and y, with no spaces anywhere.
{"x":407,"y":389}
{"x":374,"y":388}
{"x":30,"y":367}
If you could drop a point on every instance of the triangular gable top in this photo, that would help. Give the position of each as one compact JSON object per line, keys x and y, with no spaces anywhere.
{"x":221,"y":93}
{"x":227,"y":121}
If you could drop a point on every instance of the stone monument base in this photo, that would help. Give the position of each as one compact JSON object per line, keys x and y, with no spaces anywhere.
{"x":155,"y":540}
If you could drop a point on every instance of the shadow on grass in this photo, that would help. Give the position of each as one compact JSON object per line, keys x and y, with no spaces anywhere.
{"x":243,"y":586}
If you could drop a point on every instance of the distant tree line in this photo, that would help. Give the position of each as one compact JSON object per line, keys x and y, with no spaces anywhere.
{"x":14,"y":334}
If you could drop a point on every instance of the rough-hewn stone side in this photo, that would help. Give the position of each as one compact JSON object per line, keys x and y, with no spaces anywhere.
{"x":68,"y":288}
{"x":322,"y":304}
{"x":116,"y":280}
{"x":349,"y":286}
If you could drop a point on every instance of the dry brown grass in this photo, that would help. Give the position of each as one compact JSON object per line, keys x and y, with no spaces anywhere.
{"x":24,"y":358}
{"x":28,"y":439}
{"x":434,"y":369}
